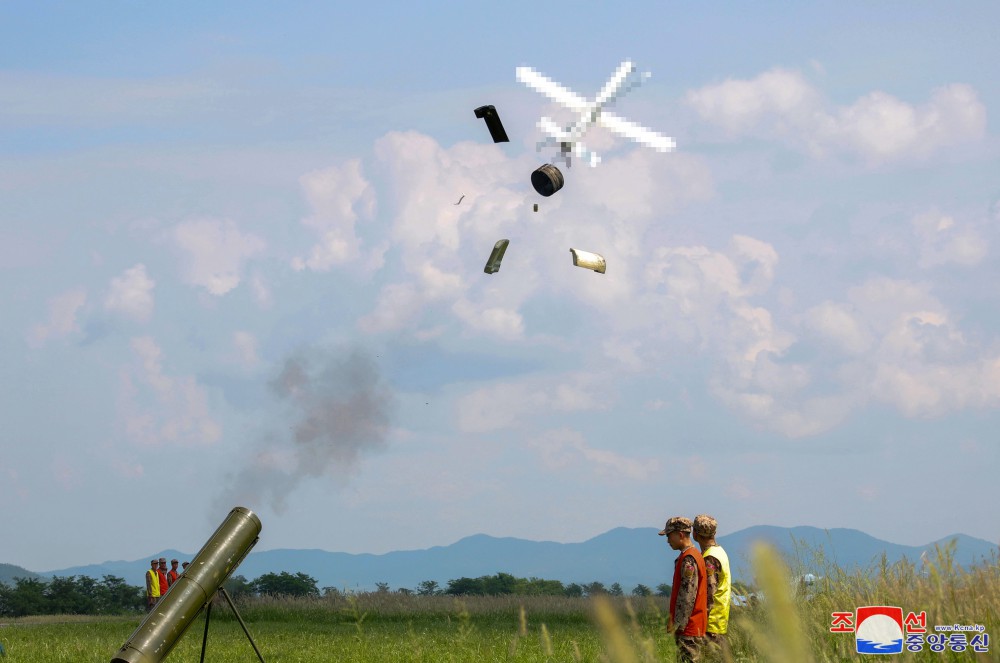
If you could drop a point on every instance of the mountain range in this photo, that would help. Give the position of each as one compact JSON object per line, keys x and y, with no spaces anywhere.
{"x":628,"y":556}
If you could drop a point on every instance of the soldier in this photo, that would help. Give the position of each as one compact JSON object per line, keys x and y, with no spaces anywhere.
{"x":152,"y":585}
{"x":718,"y":582}
{"x":688,"y":613}
{"x":161,"y":572}
{"x":172,"y":573}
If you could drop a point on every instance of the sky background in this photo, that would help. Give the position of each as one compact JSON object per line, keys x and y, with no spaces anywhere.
{"x":232,"y":272}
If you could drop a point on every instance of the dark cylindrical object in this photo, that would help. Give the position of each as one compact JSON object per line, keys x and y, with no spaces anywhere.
{"x":547,"y":180}
{"x":177,"y":609}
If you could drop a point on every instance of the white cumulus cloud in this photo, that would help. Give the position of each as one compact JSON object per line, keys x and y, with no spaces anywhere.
{"x":338,"y":197}
{"x":158,"y":409}
{"x":131,"y":294}
{"x":214,"y":252}
{"x":879,"y":127}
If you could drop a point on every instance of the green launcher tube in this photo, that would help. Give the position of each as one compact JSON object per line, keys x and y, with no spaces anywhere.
{"x":177,"y":609}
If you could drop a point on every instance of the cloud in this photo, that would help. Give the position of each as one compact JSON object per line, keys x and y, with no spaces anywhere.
{"x":739,"y":106}
{"x":512,"y":404}
{"x":440,"y":247}
{"x":566,"y":449}
{"x":782,"y":104}
{"x":838,"y":325}
{"x":131,"y":294}
{"x":943,"y":241}
{"x":338,"y":197}
{"x":62,"y":319}
{"x":497,"y":321}
{"x":157,"y":409}
{"x":214,"y":252}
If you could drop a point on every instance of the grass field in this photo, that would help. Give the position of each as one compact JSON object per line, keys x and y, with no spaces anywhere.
{"x":784,"y":628}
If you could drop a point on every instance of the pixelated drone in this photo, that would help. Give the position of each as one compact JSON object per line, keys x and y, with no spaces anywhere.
{"x":569,"y":138}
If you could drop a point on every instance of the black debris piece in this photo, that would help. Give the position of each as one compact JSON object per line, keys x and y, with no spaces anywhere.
{"x":547,"y":180}
{"x":489,"y":113}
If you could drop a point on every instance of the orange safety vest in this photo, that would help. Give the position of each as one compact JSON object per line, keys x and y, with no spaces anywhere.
{"x":163,"y":582}
{"x":171,"y":577}
{"x":699,"y":616}
{"x":154,"y":583}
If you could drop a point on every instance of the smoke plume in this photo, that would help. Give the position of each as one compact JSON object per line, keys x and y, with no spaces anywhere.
{"x":338,"y":406}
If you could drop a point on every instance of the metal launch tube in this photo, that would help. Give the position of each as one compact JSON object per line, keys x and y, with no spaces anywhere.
{"x":177,"y":609}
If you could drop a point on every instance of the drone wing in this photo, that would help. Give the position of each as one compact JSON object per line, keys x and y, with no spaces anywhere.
{"x":551,"y":89}
{"x":636,"y":132}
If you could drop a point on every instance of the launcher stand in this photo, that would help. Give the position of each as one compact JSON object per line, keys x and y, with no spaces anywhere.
{"x":208,"y":616}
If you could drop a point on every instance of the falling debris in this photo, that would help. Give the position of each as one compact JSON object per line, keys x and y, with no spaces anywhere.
{"x":536,"y":207}
{"x":493,"y":264}
{"x":460,"y":200}
{"x":547,"y":180}
{"x":594,"y":261}
{"x":489,"y":113}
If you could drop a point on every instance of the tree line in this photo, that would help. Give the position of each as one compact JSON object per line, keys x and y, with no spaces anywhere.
{"x":83,"y":595}
{"x":302,"y":585}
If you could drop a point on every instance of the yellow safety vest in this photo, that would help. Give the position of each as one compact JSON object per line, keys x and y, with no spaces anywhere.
{"x":718,"y":616}
{"x":154,"y":586}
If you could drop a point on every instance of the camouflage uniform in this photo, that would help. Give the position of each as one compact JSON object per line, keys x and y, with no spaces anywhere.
{"x":688,"y":646}
{"x":685,"y":595}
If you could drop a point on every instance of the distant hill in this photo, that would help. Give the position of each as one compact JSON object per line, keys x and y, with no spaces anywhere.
{"x":9,"y":572}
{"x":629,"y":556}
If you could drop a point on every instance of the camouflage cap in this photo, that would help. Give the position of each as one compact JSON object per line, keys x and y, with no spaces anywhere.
{"x":163,"y":560}
{"x":705,"y":525}
{"x":676,"y":524}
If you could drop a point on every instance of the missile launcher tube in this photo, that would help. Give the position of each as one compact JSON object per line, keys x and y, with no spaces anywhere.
{"x":177,"y":609}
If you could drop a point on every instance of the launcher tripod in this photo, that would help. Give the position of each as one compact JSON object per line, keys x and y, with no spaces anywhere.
{"x":208,"y":617}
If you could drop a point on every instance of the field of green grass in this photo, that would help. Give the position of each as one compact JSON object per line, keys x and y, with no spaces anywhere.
{"x":790,"y":625}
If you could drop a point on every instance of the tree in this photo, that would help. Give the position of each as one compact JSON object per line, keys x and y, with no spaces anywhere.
{"x":462,"y":586}
{"x":539,"y":587}
{"x":382,"y":587}
{"x":616,"y":590}
{"x":642,"y":590}
{"x":428,"y":588}
{"x":27,"y":597}
{"x":285,"y":584}
{"x":595,"y":588}
{"x":574,"y":589}
{"x":114,"y":595}
{"x":405,"y":591}
{"x":663,"y":589}
{"x":238,"y":586}
{"x":501,"y":583}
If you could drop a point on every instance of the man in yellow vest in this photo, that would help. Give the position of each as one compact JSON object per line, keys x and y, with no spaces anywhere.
{"x":152,"y":585}
{"x":719,"y":582}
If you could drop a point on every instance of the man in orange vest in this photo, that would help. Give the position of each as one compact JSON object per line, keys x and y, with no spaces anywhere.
{"x":152,"y":585}
{"x":688,"y":592}
{"x":162,"y":574}
{"x":172,"y":573}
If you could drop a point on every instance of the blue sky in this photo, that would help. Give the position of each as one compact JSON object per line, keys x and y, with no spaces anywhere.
{"x":234,"y":273}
